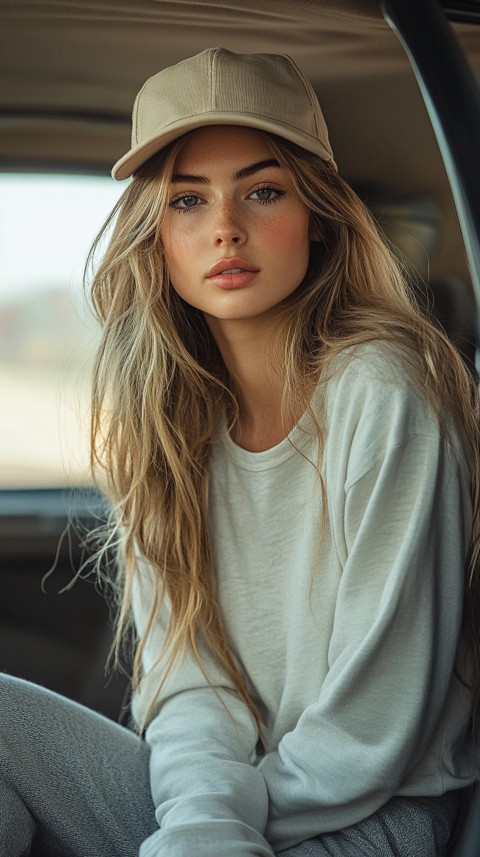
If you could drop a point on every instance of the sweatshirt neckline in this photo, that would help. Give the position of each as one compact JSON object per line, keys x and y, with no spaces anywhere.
{"x":295,"y":441}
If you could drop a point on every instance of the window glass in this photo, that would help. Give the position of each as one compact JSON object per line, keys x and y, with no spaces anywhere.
{"x":47,"y":333}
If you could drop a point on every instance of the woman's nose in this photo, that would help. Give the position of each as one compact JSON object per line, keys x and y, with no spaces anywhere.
{"x":230,"y":228}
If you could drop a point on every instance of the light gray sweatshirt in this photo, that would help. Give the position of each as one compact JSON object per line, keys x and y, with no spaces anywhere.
{"x":348,"y":636}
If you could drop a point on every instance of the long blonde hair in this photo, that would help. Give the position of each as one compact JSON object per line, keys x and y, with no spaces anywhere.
{"x":160,"y":389}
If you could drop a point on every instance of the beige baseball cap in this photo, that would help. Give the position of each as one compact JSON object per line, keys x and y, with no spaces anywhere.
{"x":218,"y":87}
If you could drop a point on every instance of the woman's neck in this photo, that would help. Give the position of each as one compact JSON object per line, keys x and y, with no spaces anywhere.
{"x":247,"y":354}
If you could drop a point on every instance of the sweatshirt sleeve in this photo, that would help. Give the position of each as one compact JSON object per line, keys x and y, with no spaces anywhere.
{"x":400,"y":517}
{"x":209,"y":798}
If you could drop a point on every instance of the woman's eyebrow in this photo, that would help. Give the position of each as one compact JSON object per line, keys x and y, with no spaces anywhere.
{"x":243,"y":173}
{"x":246,"y":172}
{"x":188,"y":178}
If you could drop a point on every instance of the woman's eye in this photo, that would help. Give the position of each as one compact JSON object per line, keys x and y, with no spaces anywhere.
{"x":266,"y":195}
{"x":185,"y":202}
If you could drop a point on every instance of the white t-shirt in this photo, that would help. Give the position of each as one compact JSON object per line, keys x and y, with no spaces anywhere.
{"x":348,"y":641}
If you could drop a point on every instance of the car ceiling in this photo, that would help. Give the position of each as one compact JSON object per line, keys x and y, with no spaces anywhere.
{"x":70,"y":71}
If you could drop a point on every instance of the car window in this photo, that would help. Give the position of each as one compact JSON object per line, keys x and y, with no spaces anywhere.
{"x":47,"y":334}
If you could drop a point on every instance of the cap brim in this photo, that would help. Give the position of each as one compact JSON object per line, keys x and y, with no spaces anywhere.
{"x":137,"y":155}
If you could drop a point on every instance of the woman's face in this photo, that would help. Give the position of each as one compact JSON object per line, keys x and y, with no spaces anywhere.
{"x":236,"y":234}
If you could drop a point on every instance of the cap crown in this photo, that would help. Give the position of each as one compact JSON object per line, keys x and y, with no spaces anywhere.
{"x":264,"y":91}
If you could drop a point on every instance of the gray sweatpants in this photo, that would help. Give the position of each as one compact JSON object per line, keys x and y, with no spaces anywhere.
{"x":75,"y":784}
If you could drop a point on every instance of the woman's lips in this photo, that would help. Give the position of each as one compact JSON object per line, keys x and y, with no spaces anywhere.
{"x":234,"y":280}
{"x":232,"y":273}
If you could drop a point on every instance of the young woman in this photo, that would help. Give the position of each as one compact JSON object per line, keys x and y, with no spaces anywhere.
{"x":291,"y":453}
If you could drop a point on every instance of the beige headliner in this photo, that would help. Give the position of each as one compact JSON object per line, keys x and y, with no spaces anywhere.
{"x":70,"y":71}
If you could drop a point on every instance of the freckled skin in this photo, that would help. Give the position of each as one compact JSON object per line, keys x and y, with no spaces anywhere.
{"x":258,"y":218}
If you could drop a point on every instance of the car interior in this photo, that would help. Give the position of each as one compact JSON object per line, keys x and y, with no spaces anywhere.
{"x":69,"y":73}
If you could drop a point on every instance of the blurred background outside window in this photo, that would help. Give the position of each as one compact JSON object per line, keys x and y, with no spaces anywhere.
{"x":47,"y":332}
